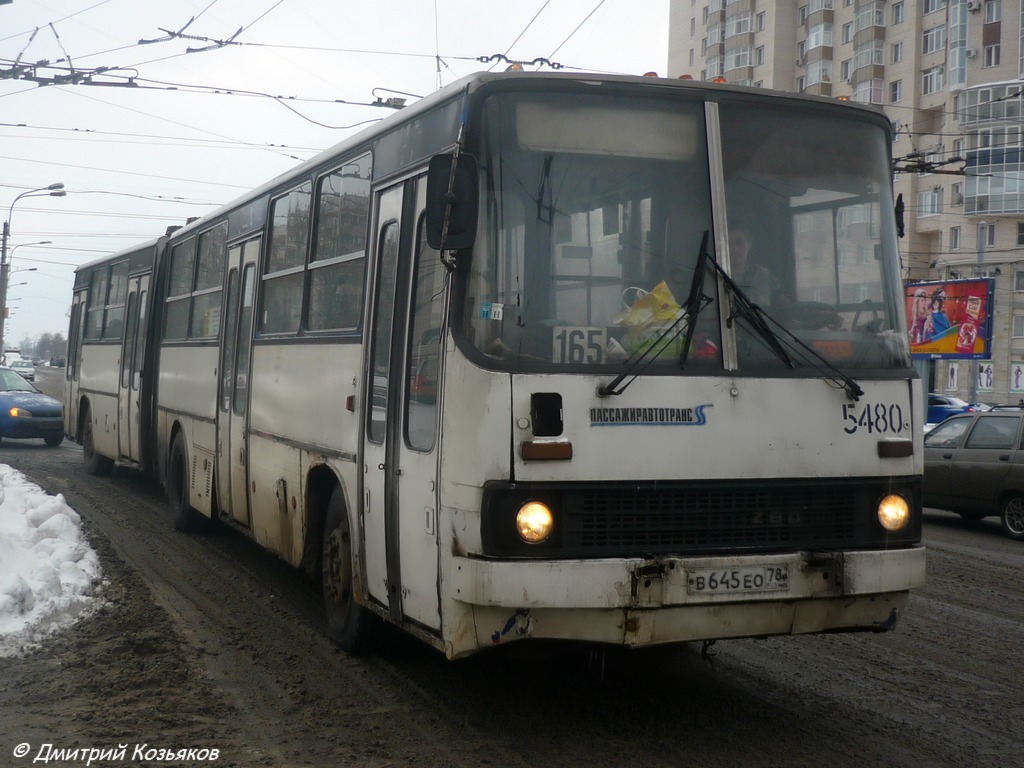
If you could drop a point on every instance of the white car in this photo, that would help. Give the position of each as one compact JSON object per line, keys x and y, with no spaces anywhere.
{"x":25,"y":369}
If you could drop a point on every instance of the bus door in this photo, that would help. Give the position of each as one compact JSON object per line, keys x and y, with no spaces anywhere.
{"x":400,"y":432}
{"x":71,"y":363}
{"x":129,"y":424}
{"x":233,"y":400}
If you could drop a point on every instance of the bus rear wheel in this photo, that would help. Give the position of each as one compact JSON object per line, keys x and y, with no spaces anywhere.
{"x":349,"y":624}
{"x":95,"y":463}
{"x":186,"y":518}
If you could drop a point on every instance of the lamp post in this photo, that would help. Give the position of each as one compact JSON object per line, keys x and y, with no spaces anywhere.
{"x":972,"y":391}
{"x":53,"y":190}
{"x":7,"y":309}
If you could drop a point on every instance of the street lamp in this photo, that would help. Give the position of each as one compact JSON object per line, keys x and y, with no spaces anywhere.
{"x":22,"y":245}
{"x":24,"y":269}
{"x":53,"y":190}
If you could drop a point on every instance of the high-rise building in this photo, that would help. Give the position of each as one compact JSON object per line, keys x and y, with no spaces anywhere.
{"x":949,"y":75}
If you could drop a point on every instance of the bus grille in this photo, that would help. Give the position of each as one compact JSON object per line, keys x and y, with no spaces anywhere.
{"x":700,"y":520}
{"x":699,"y":517}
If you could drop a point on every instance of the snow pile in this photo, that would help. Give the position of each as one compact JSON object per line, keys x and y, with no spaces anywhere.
{"x":47,"y":568}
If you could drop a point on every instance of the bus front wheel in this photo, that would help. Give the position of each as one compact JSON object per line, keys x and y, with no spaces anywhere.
{"x":348,"y":623}
{"x":95,"y":463}
{"x":186,"y":518}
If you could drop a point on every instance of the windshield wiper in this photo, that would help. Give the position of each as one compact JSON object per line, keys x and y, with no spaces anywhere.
{"x":758,"y":321}
{"x":697,"y":299}
{"x":755,"y":317}
{"x":752,"y":315}
{"x":650,"y":350}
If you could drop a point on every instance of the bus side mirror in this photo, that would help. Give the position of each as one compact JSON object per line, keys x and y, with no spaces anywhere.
{"x":455,"y":200}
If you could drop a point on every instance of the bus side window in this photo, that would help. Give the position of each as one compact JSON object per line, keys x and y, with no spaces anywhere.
{"x":337,"y":268}
{"x":283,"y":277}
{"x":113,"y":323}
{"x":128,"y":355}
{"x":241,"y":367}
{"x":422,"y":375}
{"x":97,"y":301}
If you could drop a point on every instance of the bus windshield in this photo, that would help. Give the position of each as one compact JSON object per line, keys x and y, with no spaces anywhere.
{"x":592,"y":220}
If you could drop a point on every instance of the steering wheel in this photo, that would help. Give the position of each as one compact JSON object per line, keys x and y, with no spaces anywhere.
{"x":809,"y":316}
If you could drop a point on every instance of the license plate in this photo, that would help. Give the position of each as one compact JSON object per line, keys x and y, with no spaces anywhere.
{"x":726,"y":581}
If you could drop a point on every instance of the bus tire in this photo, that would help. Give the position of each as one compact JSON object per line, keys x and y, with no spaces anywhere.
{"x":95,"y":462}
{"x":186,"y":518}
{"x":349,"y":624}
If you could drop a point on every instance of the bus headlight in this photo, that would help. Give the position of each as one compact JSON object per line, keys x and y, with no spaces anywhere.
{"x":893,"y":512}
{"x":534,"y":522}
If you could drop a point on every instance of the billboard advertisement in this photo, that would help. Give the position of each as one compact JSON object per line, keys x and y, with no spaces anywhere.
{"x":951,"y":319}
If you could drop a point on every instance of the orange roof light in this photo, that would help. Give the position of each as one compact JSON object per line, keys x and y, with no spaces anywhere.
{"x":686,"y":77}
{"x":719,"y":79}
{"x":650,"y":74}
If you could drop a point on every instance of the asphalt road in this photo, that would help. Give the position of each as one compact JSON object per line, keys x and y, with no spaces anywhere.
{"x":208,"y":642}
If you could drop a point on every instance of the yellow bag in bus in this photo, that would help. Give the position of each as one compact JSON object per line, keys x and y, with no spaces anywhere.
{"x":654,"y":308}
{"x":649,"y":314}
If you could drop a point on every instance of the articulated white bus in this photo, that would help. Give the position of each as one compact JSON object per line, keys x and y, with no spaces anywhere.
{"x":606,"y":359}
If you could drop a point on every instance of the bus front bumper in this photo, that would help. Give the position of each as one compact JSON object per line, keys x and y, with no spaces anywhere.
{"x":644,"y":602}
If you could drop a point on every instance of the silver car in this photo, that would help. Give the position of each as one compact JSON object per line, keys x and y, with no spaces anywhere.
{"x":25,"y":369}
{"x":974,"y":466}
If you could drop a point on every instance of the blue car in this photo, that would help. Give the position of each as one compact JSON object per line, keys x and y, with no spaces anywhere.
{"x":26,"y":413}
{"x":941,"y":407}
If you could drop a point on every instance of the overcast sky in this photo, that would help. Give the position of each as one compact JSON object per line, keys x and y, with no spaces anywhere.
{"x":135,"y":160}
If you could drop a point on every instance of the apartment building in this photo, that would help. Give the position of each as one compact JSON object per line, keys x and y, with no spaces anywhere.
{"x":949,"y":75}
